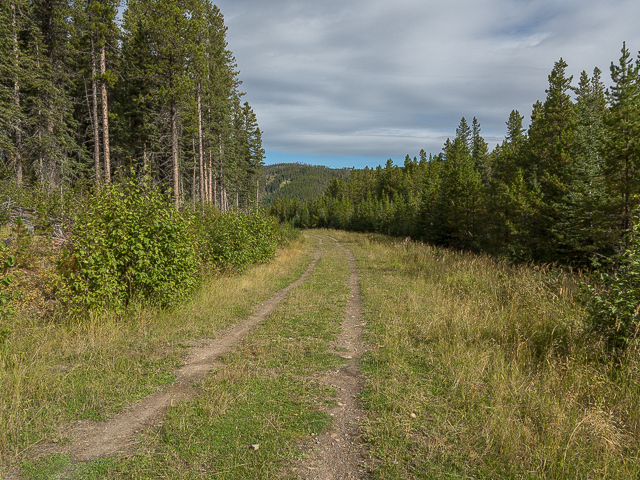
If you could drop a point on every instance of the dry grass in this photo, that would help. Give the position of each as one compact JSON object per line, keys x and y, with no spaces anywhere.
{"x":59,"y":369}
{"x":485,"y":370}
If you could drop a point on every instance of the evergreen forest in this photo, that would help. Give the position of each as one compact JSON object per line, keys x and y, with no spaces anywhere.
{"x":563,"y":190}
{"x":91,"y":88}
{"x":295,"y":180}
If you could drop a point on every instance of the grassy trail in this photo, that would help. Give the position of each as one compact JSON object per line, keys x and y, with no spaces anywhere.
{"x":56,"y":373}
{"x":259,"y":403}
{"x":476,"y":369}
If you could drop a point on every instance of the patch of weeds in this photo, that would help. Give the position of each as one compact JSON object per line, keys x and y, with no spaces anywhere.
{"x":484,"y":370}
{"x":47,"y":468}
{"x":91,"y":366}
{"x":242,"y":425}
{"x":296,"y":337}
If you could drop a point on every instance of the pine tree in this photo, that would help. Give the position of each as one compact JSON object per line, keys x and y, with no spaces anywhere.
{"x":163,"y":38}
{"x":54,"y":142}
{"x":480,"y":152}
{"x":622,"y":144}
{"x":96,"y":42}
{"x":510,"y":203}
{"x":584,"y":224}
{"x":12,"y":118}
{"x":461,"y":191}
{"x":550,"y":161}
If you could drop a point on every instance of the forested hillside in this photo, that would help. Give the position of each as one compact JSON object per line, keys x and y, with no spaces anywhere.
{"x":563,"y":190}
{"x":296,"y":180}
{"x":83,"y":95}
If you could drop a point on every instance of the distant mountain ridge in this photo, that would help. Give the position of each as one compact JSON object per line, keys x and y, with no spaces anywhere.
{"x":296,"y":180}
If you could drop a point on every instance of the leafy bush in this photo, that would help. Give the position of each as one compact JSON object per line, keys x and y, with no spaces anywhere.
{"x":288,"y":233}
{"x":235,"y":240}
{"x":614,"y":296}
{"x":8,"y":262}
{"x":129,"y":243}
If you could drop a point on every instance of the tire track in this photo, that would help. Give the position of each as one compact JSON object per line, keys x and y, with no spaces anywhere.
{"x":93,"y":439}
{"x":340,"y":453}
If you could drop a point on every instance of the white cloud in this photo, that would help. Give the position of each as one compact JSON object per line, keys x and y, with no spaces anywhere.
{"x":379,"y":78}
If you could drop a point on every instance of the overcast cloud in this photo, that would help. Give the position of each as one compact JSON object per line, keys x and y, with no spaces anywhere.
{"x":333,"y":80}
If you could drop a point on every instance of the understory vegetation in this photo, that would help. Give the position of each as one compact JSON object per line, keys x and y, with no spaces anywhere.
{"x":482,"y":369}
{"x":265,"y":392}
{"x":127,"y":243}
{"x":56,"y":368}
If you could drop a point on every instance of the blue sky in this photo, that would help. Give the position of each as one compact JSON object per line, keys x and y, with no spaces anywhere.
{"x":353,"y":82}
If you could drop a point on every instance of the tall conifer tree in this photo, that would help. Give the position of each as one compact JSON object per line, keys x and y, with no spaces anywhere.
{"x":622,"y":144}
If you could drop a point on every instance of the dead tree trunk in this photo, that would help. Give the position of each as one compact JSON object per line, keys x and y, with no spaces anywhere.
{"x":174,"y":153}
{"x":200,"y":152}
{"x":94,"y":114}
{"x":16,"y":97}
{"x":105,"y":116}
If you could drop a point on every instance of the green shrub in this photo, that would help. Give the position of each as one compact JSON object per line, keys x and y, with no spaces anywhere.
{"x":8,"y":261}
{"x":288,"y":233}
{"x":129,"y":243}
{"x":235,"y":240}
{"x":613,"y":300}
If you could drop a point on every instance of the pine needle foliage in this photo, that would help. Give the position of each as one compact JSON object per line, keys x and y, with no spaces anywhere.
{"x":614,"y":296}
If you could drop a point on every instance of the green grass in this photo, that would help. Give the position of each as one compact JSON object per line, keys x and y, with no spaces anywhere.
{"x":212,"y":436}
{"x":58,"y":370}
{"x":480,"y":369}
{"x":46,"y":468}
{"x":265,"y":393}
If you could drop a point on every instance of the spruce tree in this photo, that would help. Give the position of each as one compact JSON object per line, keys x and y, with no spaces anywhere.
{"x":13,"y":16}
{"x":54,"y":137}
{"x":480,"y":152}
{"x":622,"y":141}
{"x":584,"y":223}
{"x":550,"y":162}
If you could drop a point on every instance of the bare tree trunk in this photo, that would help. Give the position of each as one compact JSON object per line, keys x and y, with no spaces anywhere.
{"x":16,"y":99}
{"x":94,"y":115}
{"x":174,"y":153}
{"x":223,"y":194}
{"x":50,"y":167}
{"x":105,"y":116}
{"x":223,"y":189}
{"x":144,"y":157}
{"x":193,"y":189}
{"x":213,"y":182}
{"x":207,"y":185}
{"x":200,"y":152}
{"x":40,"y":148}
{"x":182,"y":197}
